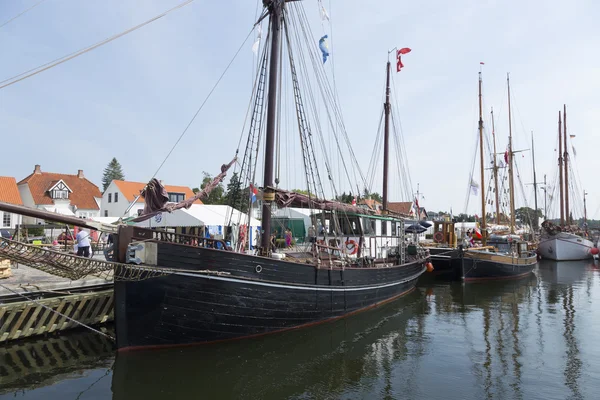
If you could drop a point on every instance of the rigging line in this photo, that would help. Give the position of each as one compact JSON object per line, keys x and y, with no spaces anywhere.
{"x":195,"y":115}
{"x":56,"y":312}
{"x":63,"y":59}
{"x":21,"y":13}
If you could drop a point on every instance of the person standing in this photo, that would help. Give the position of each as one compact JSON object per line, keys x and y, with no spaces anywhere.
{"x":83,"y":244}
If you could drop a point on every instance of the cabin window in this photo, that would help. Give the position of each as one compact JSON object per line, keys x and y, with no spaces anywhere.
{"x":116,"y":197}
{"x":176,"y":197}
{"x":110,"y":197}
{"x":106,"y":213}
{"x":349,"y":226}
{"x":368,"y":226}
{"x":6,"y":219}
{"x":394,"y":228}
{"x":384,"y":225}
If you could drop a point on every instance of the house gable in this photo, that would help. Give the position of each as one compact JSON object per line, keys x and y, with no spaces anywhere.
{"x":9,"y":191}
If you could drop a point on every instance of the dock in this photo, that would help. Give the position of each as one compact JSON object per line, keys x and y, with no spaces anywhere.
{"x":34,"y":303}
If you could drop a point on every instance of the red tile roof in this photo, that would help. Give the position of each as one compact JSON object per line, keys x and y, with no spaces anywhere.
{"x":83,"y":194}
{"x":400,"y":207}
{"x":132,"y":189}
{"x":9,"y":192}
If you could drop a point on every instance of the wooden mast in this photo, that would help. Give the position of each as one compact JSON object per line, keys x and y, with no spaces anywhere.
{"x":483,"y":222}
{"x":535,"y":194}
{"x":497,"y":194}
{"x":510,"y":163}
{"x":560,"y":172}
{"x":275,"y":11}
{"x":566,"y":164}
{"x":386,"y":139}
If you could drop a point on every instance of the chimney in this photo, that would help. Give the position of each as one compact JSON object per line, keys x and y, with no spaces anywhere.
{"x":80,"y":173}
{"x":37,"y":169}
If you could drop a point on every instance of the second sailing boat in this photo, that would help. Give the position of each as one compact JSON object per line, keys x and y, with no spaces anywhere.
{"x":509,"y":257}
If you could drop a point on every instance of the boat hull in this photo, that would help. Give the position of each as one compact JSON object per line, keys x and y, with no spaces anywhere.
{"x":218,"y":295}
{"x":446,"y":262}
{"x":482,"y":265}
{"x":565,"y":247}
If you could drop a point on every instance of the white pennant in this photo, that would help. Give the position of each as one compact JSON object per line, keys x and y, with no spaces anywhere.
{"x":324,"y":15}
{"x":256,"y":44}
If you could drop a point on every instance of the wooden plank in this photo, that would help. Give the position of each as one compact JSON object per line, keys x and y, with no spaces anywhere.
{"x":38,"y":328}
{"x":16,"y":330}
{"x":3,"y":333}
{"x":68,"y":323}
{"x":51,"y":325}
{"x":94,"y":316}
{"x":104,"y":315}
{"x":27,"y":330}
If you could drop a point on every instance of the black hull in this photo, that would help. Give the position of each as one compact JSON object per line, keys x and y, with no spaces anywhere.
{"x":218,"y":295}
{"x":480,"y":269}
{"x":446,"y":263}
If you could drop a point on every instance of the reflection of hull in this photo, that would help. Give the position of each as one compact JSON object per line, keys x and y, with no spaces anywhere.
{"x":37,"y":363}
{"x":565,"y":247}
{"x":446,"y":262}
{"x":563,"y":273}
{"x":482,"y":265}
{"x":481,"y":295}
{"x":219,"y":295}
{"x":293,"y":365}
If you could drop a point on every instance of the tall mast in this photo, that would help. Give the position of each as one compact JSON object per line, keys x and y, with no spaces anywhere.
{"x":275,"y":10}
{"x":560,"y":172}
{"x":386,"y":139}
{"x":496,"y":172}
{"x":584,"y":211}
{"x":545,"y":199}
{"x":566,"y":163}
{"x":535,"y":192}
{"x":483,"y":224}
{"x":510,"y":163}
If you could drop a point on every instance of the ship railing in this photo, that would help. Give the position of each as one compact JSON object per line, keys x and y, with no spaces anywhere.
{"x":179,"y":238}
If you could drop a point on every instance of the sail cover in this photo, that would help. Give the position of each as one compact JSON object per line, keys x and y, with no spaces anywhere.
{"x":284,"y":198}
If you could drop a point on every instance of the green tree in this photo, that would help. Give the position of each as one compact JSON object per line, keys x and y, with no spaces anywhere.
{"x":374,"y":196}
{"x":345,"y":198}
{"x":216,"y":195}
{"x":237,"y":197}
{"x":112,"y":171}
{"x":528,"y":215}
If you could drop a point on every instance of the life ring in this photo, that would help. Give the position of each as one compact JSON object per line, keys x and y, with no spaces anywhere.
{"x":351,"y":246}
{"x":438,"y":237}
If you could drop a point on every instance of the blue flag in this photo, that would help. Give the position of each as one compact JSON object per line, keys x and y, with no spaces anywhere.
{"x":324,"y":48}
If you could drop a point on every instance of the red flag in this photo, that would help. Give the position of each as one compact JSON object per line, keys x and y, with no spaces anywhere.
{"x":354,"y":201}
{"x":506,"y":156}
{"x":399,"y":64}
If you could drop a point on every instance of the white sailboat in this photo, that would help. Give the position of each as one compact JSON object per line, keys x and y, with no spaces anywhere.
{"x":565,"y":242}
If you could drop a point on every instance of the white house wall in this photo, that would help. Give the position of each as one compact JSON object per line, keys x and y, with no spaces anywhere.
{"x":27,"y":198}
{"x":117,"y":209}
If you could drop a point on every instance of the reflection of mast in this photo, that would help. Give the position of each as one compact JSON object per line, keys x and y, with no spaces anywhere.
{"x":574,"y":364}
{"x":488,"y":353}
{"x":497,"y":188}
{"x":516,"y":349}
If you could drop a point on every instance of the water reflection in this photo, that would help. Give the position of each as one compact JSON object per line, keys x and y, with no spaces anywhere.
{"x":516,"y":339}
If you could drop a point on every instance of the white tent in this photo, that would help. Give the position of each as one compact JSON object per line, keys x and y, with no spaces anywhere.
{"x":214,"y":217}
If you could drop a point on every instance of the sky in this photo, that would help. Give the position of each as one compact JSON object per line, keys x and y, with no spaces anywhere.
{"x":132,"y":97}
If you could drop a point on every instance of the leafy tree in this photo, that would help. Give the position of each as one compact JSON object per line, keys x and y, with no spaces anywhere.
{"x":216,"y":195}
{"x":345,"y":198}
{"x":375,"y":196}
{"x":301,"y":191}
{"x":237,"y":197}
{"x":528,"y":215}
{"x":112,"y":171}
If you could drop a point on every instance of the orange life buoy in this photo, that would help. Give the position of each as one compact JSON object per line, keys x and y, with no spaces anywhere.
{"x":438,"y":237}
{"x":351,"y":246}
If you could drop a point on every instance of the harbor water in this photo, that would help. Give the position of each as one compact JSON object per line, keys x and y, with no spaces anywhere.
{"x":532,"y":338}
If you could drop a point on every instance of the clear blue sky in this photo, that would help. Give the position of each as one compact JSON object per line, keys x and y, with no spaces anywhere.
{"x":131,"y":98}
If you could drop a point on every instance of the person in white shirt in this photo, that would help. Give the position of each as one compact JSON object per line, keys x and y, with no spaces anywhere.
{"x":83,"y":243}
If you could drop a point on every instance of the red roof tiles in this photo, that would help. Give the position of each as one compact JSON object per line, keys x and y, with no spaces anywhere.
{"x":9,"y":192}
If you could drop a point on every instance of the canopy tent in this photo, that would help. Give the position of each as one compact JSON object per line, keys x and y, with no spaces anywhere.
{"x":214,"y":217}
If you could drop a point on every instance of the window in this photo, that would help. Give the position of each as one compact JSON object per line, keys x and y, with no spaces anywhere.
{"x":116,"y":196}
{"x":384,"y":225}
{"x":110,"y":197}
{"x":394,"y":224}
{"x":176,"y":197}
{"x":368,"y":226}
{"x":60,"y":194}
{"x":6,"y":219}
{"x":106,"y":213}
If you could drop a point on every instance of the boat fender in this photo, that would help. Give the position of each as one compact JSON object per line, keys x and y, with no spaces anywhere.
{"x":258,"y":269}
{"x":429,"y":267}
{"x":351,"y":246}
{"x":594,"y":251}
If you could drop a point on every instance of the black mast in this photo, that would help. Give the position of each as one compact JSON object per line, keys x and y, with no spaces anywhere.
{"x":386,"y":139}
{"x":276,"y":13}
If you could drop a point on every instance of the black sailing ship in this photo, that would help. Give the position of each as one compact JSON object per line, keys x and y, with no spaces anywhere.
{"x":508,"y":256}
{"x":175,"y":289}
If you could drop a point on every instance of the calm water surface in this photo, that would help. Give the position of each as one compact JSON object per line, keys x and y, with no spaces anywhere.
{"x":535,"y":338}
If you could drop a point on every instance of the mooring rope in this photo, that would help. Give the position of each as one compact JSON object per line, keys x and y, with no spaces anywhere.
{"x":58,"y":312}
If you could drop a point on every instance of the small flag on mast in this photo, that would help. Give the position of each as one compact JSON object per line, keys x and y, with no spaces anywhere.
{"x":399,"y":53}
{"x":324,"y":48}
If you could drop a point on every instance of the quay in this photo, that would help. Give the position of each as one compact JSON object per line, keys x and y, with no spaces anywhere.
{"x":34,"y":303}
